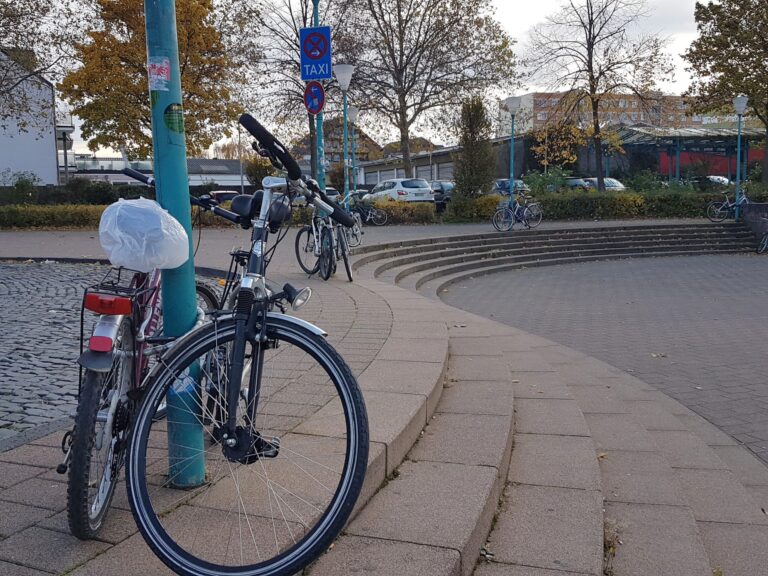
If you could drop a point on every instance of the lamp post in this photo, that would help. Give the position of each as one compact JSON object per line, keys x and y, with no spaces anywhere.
{"x":740,"y":105}
{"x":353,"y":113}
{"x":343,"y":73}
{"x":513,"y":105}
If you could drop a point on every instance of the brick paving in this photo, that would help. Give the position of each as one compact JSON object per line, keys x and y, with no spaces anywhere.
{"x":694,"y":327}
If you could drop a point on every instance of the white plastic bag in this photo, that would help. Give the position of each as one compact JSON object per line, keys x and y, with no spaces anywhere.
{"x":141,"y":235}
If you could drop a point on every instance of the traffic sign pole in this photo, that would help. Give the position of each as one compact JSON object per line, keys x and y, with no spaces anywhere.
{"x":185,"y":431}
{"x":319,"y":117}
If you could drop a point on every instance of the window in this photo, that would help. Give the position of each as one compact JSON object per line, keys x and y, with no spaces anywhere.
{"x":541,"y":116}
{"x":634,"y":104}
{"x":622,"y":103}
{"x":415,"y":183}
{"x":634,"y":116}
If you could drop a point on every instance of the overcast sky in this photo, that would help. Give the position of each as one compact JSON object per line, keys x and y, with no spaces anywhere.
{"x":672,"y":20}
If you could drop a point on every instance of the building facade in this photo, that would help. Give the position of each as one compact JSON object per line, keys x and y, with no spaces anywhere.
{"x":28,"y":141}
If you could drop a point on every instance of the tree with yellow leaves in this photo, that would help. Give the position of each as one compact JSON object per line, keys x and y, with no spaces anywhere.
{"x":109,"y":92}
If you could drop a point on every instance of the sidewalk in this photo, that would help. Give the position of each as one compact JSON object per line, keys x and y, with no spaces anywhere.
{"x":588,"y":438}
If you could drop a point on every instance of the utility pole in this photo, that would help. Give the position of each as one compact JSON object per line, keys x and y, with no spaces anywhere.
{"x":185,"y":431}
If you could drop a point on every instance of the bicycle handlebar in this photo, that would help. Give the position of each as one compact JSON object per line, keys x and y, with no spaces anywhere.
{"x":311,"y":192}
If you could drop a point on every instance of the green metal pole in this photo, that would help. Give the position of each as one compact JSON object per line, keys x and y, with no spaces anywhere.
{"x":677,"y":161}
{"x":319,"y":116}
{"x":346,"y":155}
{"x":185,"y":432}
{"x":354,"y":160}
{"x":512,"y":158}
{"x":738,"y":169}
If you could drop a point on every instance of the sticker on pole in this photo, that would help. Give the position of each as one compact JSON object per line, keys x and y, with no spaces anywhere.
{"x":314,"y":97}
{"x":159,"y":71}
{"x":315,"y":53}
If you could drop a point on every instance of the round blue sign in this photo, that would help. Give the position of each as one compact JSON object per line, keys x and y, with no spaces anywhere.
{"x":314,"y":97}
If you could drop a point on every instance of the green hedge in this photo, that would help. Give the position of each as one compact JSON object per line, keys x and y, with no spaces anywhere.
{"x":556,"y":206}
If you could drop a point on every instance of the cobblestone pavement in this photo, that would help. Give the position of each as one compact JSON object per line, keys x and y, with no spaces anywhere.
{"x":694,"y":327}
{"x":40,"y":311}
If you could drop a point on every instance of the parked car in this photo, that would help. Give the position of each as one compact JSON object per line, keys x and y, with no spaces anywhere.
{"x":442,"y":190}
{"x":576,"y":184}
{"x":403,"y":189}
{"x":223,"y":195}
{"x":611,"y":184}
{"x":501,"y":186}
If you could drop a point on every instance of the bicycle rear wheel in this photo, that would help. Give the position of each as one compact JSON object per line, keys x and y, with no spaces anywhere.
{"x":763,"y":245}
{"x":379,"y":217}
{"x":305,"y":250}
{"x":273,"y":513}
{"x":533,"y":215}
{"x":99,"y":440}
{"x":355,"y":234}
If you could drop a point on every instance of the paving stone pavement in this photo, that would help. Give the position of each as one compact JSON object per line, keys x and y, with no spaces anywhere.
{"x":40,"y":309}
{"x":696,"y":328}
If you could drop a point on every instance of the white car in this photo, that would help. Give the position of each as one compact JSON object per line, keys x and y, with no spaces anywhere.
{"x":403,"y":189}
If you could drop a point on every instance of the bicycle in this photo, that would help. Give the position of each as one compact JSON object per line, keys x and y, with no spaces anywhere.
{"x":527,"y":213}
{"x":274,"y":489}
{"x":125,"y":337}
{"x":718,"y":211}
{"x":369,"y":213}
{"x":762,"y":246}
{"x":320,"y":245}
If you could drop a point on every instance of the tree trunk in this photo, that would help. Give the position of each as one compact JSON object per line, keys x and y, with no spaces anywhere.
{"x":405,"y":144}
{"x":312,"y":146}
{"x":598,"y":143}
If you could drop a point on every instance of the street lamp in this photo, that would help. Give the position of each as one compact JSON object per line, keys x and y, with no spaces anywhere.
{"x":740,"y":105}
{"x":513,"y":105}
{"x":343,"y":74}
{"x":353,"y":113}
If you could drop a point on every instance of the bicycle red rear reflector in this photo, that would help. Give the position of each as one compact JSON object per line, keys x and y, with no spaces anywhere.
{"x":100,"y":344}
{"x":107,"y":303}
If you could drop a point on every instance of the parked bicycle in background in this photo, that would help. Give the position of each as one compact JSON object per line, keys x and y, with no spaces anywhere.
{"x":518,"y":209}
{"x":720,"y":210}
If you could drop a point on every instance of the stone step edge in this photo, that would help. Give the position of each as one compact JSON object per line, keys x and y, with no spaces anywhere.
{"x":446,"y":558}
{"x":593,"y":229}
{"x":448,"y":277}
{"x":399,"y":258}
{"x":378,"y":252}
{"x":400,"y":271}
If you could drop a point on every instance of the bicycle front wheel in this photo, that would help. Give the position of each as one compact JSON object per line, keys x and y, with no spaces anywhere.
{"x":98,"y":441}
{"x":305,"y":250}
{"x":344,"y":250}
{"x":327,"y":259}
{"x":273,"y":509}
{"x":355,"y":234}
{"x":717,"y":211}
{"x":503,"y":219}
{"x":533,"y":215}
{"x":378,"y":217}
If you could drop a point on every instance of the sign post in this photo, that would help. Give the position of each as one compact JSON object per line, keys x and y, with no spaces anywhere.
{"x":319,"y":117}
{"x":185,"y":431}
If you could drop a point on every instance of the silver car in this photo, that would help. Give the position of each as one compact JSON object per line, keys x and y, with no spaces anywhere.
{"x":403,"y":189}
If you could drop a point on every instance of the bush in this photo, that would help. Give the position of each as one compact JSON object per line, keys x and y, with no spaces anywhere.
{"x":70,"y":216}
{"x":408,"y":212}
{"x":552,"y":181}
{"x":464,"y":209}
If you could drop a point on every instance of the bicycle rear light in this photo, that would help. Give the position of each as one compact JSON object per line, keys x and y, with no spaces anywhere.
{"x":108,"y":304}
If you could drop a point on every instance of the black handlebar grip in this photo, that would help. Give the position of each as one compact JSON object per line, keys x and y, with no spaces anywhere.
{"x":339,"y":214}
{"x":268,"y":141}
{"x":139,"y":176}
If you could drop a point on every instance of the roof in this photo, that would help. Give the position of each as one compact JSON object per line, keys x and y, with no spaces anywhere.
{"x":644,"y":134}
{"x":212,"y":166}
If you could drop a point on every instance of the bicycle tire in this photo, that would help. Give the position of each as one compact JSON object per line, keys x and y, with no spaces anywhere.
{"x":533,"y":215}
{"x":379,"y":217}
{"x":717,"y":211}
{"x":344,"y":250}
{"x":327,"y":256}
{"x":305,"y":250}
{"x":355,"y":234}
{"x":92,"y":453}
{"x":317,"y":476}
{"x":763,"y":245}
{"x":503,"y":220}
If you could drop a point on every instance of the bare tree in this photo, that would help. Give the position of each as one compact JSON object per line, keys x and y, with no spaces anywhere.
{"x":281,"y":87}
{"x":35,"y":36}
{"x":423,"y":57}
{"x":587,"y":49}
